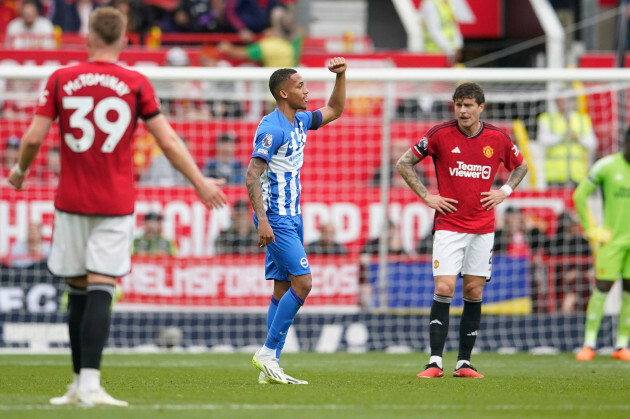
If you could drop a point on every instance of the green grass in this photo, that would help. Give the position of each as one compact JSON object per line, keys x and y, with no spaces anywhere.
{"x":372,"y":385}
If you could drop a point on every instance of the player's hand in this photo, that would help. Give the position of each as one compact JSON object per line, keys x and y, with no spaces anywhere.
{"x":598,"y":235}
{"x":16,"y":180}
{"x":211,"y":194}
{"x":337,"y":65}
{"x":265,"y":233}
{"x":492,"y":199}
{"x":441,"y":204}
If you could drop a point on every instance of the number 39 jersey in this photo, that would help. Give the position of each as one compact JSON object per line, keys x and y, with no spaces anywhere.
{"x":97,"y":104}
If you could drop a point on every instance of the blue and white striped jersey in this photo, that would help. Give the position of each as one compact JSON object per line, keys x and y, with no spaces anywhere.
{"x":281,"y":144}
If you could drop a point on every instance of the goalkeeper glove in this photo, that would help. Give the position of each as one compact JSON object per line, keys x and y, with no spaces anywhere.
{"x":599,"y":235}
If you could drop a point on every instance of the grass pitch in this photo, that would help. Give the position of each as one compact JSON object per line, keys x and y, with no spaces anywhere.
{"x":371,"y":385}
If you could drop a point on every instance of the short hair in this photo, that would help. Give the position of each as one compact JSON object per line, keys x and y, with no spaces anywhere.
{"x":108,"y":24}
{"x":278,"y":78}
{"x":469,"y":90}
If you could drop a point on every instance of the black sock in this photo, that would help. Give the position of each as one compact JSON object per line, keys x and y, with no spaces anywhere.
{"x":95,"y":326}
{"x":438,"y":325}
{"x":469,"y":328}
{"x":77,"y":297}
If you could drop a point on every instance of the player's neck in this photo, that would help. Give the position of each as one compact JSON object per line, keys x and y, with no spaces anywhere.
{"x":287,"y":111}
{"x":474,"y":130}
{"x":107,"y":56}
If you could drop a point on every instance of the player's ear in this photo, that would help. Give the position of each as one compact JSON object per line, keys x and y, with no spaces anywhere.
{"x":283,"y":94}
{"x":481,"y":107}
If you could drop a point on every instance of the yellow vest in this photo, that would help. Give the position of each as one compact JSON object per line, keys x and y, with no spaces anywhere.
{"x":448,"y":26}
{"x":567,"y":161}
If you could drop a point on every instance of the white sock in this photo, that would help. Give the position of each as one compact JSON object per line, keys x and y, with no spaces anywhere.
{"x":266,"y":352}
{"x":75,"y":381}
{"x":461,"y":362}
{"x":437,"y":360}
{"x":90,"y":379}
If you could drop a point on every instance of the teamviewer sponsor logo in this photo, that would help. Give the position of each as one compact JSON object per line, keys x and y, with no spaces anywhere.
{"x":475,"y":171}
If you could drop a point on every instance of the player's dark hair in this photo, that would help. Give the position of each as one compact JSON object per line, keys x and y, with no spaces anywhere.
{"x":278,"y":78}
{"x":108,"y":24}
{"x":469,"y":90}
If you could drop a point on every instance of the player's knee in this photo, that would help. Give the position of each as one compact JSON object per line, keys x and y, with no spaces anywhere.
{"x":446,"y":290}
{"x":472,"y":292}
{"x":302,"y":285}
{"x":79,"y":283}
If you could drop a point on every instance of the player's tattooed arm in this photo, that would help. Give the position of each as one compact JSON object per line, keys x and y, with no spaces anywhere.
{"x":517,"y":175}
{"x":252,"y":181}
{"x":405,"y":167}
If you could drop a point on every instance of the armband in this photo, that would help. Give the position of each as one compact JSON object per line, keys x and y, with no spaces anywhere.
{"x":19,"y":170}
{"x":507,"y":189}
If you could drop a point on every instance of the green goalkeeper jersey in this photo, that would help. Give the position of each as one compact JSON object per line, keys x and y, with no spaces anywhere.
{"x":612,"y":174}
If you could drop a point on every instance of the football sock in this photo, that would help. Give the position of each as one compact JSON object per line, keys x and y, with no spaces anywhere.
{"x":90,"y":379}
{"x":271,"y":313}
{"x":288,"y":307}
{"x":469,"y":328}
{"x":438,"y":325}
{"x":436,"y":360}
{"x":623,"y":327}
{"x":594,"y":314}
{"x":95,"y":325}
{"x":77,"y":297}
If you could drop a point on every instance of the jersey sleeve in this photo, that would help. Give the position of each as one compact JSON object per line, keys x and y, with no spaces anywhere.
{"x":47,"y":102}
{"x":148,"y":105}
{"x":512,"y":157}
{"x":426,"y":146}
{"x":267,"y":142}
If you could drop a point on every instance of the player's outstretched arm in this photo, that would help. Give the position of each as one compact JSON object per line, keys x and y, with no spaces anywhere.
{"x":208,"y":189}
{"x":337,"y":100}
{"x":29,"y":147}
{"x":252,"y":181}
{"x":495,"y":197}
{"x":405,"y":168}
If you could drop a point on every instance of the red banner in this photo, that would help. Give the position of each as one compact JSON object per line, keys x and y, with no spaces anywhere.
{"x":231,"y":281}
{"x":478,"y":18}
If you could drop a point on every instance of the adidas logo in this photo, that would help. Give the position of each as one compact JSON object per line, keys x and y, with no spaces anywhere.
{"x":456,"y":150}
{"x":473,"y":333}
{"x":436,"y":321}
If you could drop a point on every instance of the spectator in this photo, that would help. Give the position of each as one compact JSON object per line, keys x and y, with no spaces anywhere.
{"x":139,"y":15}
{"x":162,"y":173}
{"x":29,"y":30}
{"x":72,"y":15}
{"x":151,"y":242}
{"x":241,"y":237}
{"x":225,"y":164}
{"x":516,"y":237}
{"x":440,"y":29}
{"x":280,"y":45}
{"x":250,"y":17}
{"x":326,"y":245}
{"x":573,"y":274}
{"x":50,"y":174}
{"x":10,"y":154}
{"x":568,"y":140}
{"x":398,"y":148}
{"x":222,"y":92}
{"x":394,"y":242}
{"x":182,"y":98}
{"x":32,"y":250}
{"x":195,"y":16}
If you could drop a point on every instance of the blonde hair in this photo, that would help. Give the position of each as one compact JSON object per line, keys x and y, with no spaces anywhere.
{"x":108,"y":24}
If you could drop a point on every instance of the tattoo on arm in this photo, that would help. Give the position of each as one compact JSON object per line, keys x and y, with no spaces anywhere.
{"x":252,"y":182}
{"x":517,"y":175}
{"x":405,"y":168}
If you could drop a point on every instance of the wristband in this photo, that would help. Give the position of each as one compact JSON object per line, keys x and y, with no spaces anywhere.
{"x":18,"y":170}
{"x":507,"y":189}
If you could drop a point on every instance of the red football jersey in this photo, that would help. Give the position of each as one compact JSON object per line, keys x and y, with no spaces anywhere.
{"x":98,"y":105}
{"x":465,"y":167}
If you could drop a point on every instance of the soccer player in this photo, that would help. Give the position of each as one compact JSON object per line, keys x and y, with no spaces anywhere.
{"x":273,"y":185}
{"x":466,"y":153}
{"x":612,"y":258}
{"x":98,"y":103}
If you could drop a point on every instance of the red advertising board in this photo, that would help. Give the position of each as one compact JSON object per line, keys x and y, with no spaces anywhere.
{"x":478,"y":18}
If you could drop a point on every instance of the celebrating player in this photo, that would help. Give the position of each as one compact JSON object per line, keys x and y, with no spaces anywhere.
{"x":98,"y":104}
{"x":273,"y":184}
{"x":612,"y":258}
{"x":467,"y":153}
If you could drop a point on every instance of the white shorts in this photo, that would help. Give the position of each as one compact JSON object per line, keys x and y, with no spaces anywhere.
{"x":90,"y":243}
{"x":465,"y":253}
